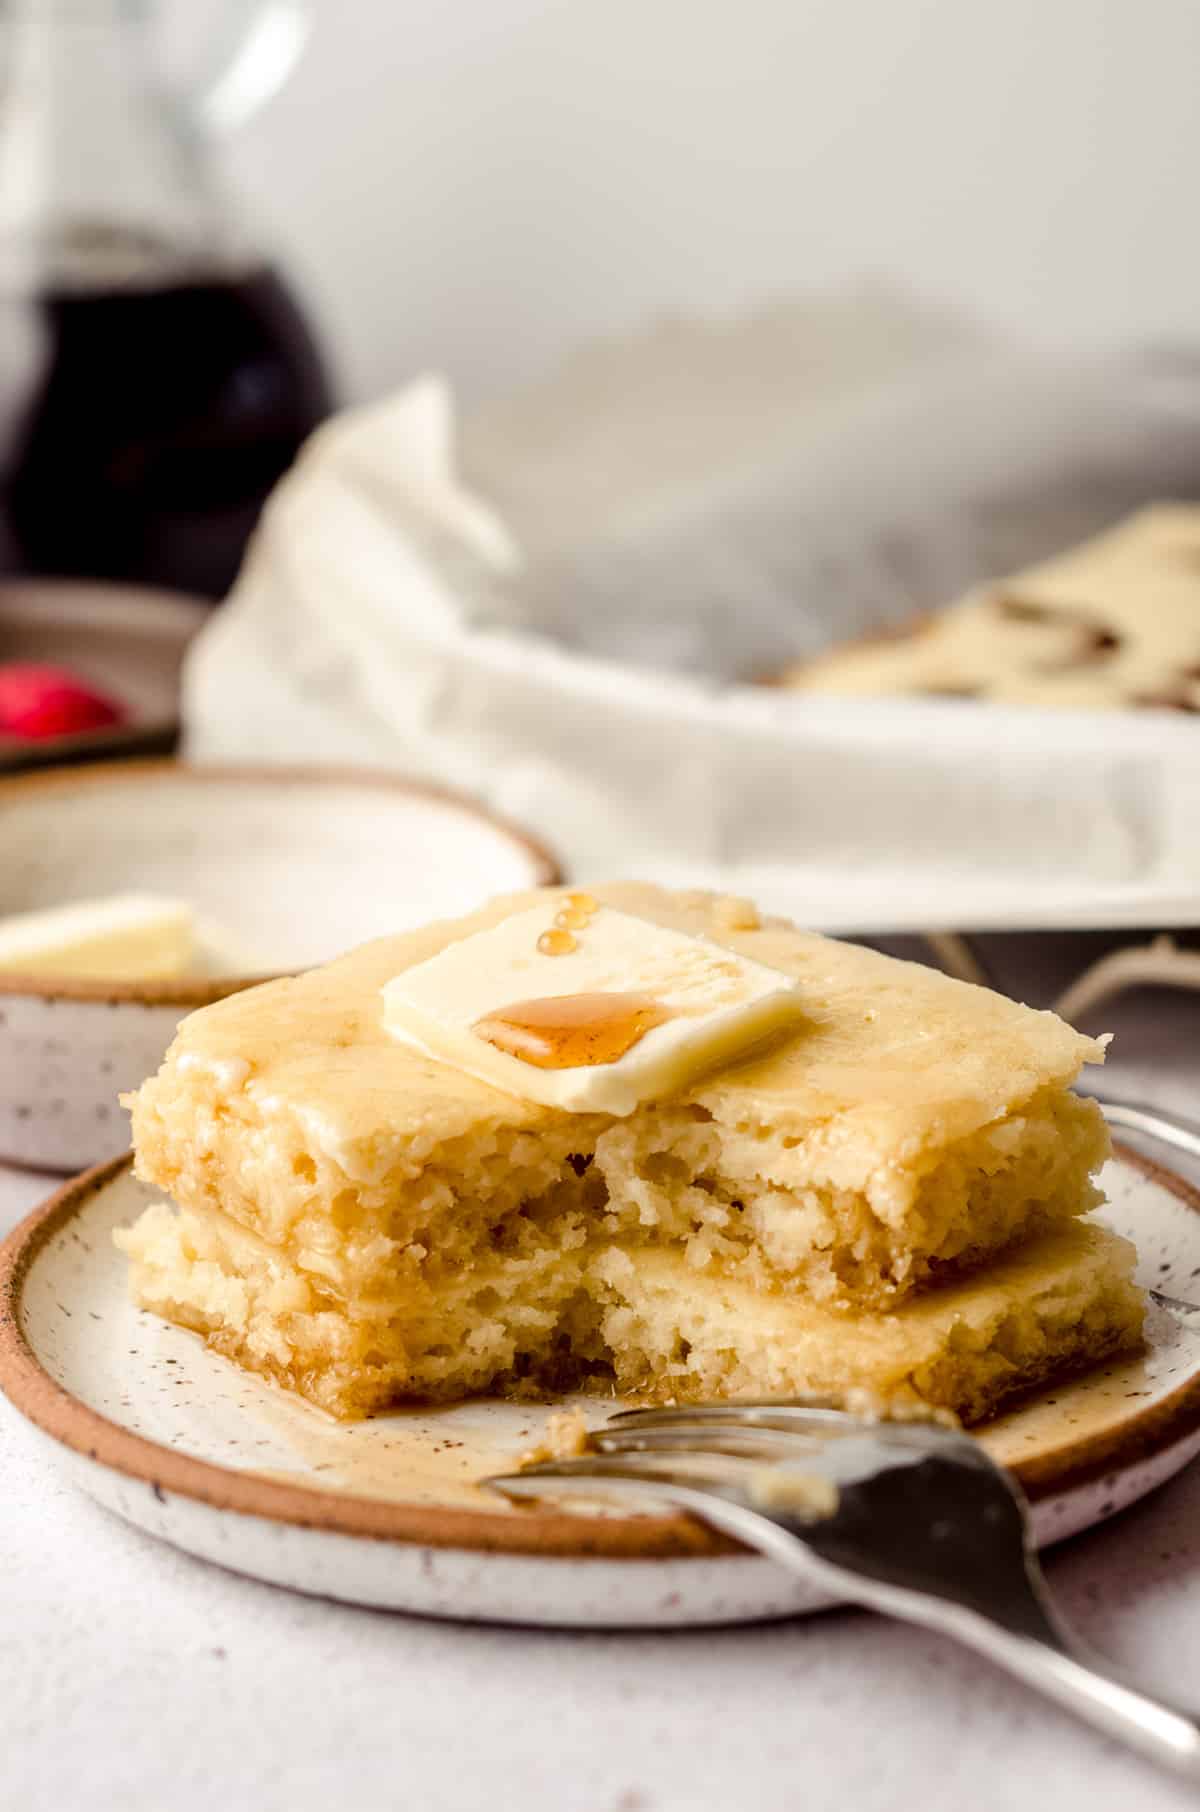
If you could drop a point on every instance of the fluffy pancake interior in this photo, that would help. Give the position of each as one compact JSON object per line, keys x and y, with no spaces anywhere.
{"x":366,"y":1225}
{"x":642,"y":1321}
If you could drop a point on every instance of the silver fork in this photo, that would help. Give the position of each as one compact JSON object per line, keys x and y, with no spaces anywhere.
{"x":908,"y":1518}
{"x":1133,"y":1116}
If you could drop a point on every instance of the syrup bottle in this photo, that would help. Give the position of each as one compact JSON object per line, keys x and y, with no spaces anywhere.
{"x":156,"y":375}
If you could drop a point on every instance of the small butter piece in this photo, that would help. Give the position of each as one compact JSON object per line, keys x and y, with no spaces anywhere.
{"x":718,"y":1004}
{"x":126,"y":937}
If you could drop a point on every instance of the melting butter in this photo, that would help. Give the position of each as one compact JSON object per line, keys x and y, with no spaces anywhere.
{"x":498,"y":1005}
{"x":569,"y":1031}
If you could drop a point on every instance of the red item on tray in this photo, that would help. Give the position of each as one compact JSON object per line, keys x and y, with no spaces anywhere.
{"x":38,"y":702}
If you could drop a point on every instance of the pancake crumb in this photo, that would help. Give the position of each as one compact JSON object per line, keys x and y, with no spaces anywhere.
{"x":566,"y":1438}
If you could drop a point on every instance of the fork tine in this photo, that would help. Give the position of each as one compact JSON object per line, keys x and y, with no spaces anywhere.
{"x":759,"y":1440}
{"x":784,"y":1411}
{"x":638,"y":1464}
{"x":821,"y":1421}
{"x":592,"y":1464}
{"x":596,"y":1469}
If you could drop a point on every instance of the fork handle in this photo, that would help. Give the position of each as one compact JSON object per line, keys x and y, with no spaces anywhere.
{"x":1023,"y":1636}
{"x":1090,"y":1689}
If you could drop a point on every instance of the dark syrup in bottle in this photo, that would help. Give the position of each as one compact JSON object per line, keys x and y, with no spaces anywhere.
{"x":154,"y":423}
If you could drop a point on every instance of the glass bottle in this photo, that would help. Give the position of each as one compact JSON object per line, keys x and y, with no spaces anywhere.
{"x":156,"y":376}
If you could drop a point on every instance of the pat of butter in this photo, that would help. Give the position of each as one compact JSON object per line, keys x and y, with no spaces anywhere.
{"x":127,"y":937}
{"x":720,"y":1004}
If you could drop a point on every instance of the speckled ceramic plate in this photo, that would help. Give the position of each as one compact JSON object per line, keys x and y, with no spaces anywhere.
{"x":293,"y":866}
{"x":388,"y":1512}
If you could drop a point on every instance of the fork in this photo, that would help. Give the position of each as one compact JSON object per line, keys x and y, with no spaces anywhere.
{"x":909,"y":1518}
{"x":1132,"y":1116}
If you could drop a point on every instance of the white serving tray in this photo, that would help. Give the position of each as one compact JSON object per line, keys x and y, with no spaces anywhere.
{"x":387,"y":614}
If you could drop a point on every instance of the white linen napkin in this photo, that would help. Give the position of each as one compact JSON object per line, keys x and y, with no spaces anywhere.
{"x":563,"y":632}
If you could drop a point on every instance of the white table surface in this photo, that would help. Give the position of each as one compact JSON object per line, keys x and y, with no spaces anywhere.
{"x":132,"y":1676}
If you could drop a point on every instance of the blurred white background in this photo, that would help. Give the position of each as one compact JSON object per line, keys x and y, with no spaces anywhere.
{"x":479,"y":184}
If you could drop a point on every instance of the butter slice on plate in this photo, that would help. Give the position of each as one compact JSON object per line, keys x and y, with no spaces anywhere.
{"x":721,"y":1005}
{"x":125,"y":937}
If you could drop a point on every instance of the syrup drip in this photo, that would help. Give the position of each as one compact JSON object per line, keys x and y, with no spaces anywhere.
{"x":574,"y":916}
{"x":557,"y":943}
{"x":572,"y":1031}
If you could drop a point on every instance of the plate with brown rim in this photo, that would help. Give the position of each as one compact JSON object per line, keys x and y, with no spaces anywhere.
{"x":390,"y":1512}
{"x":283,"y":867}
